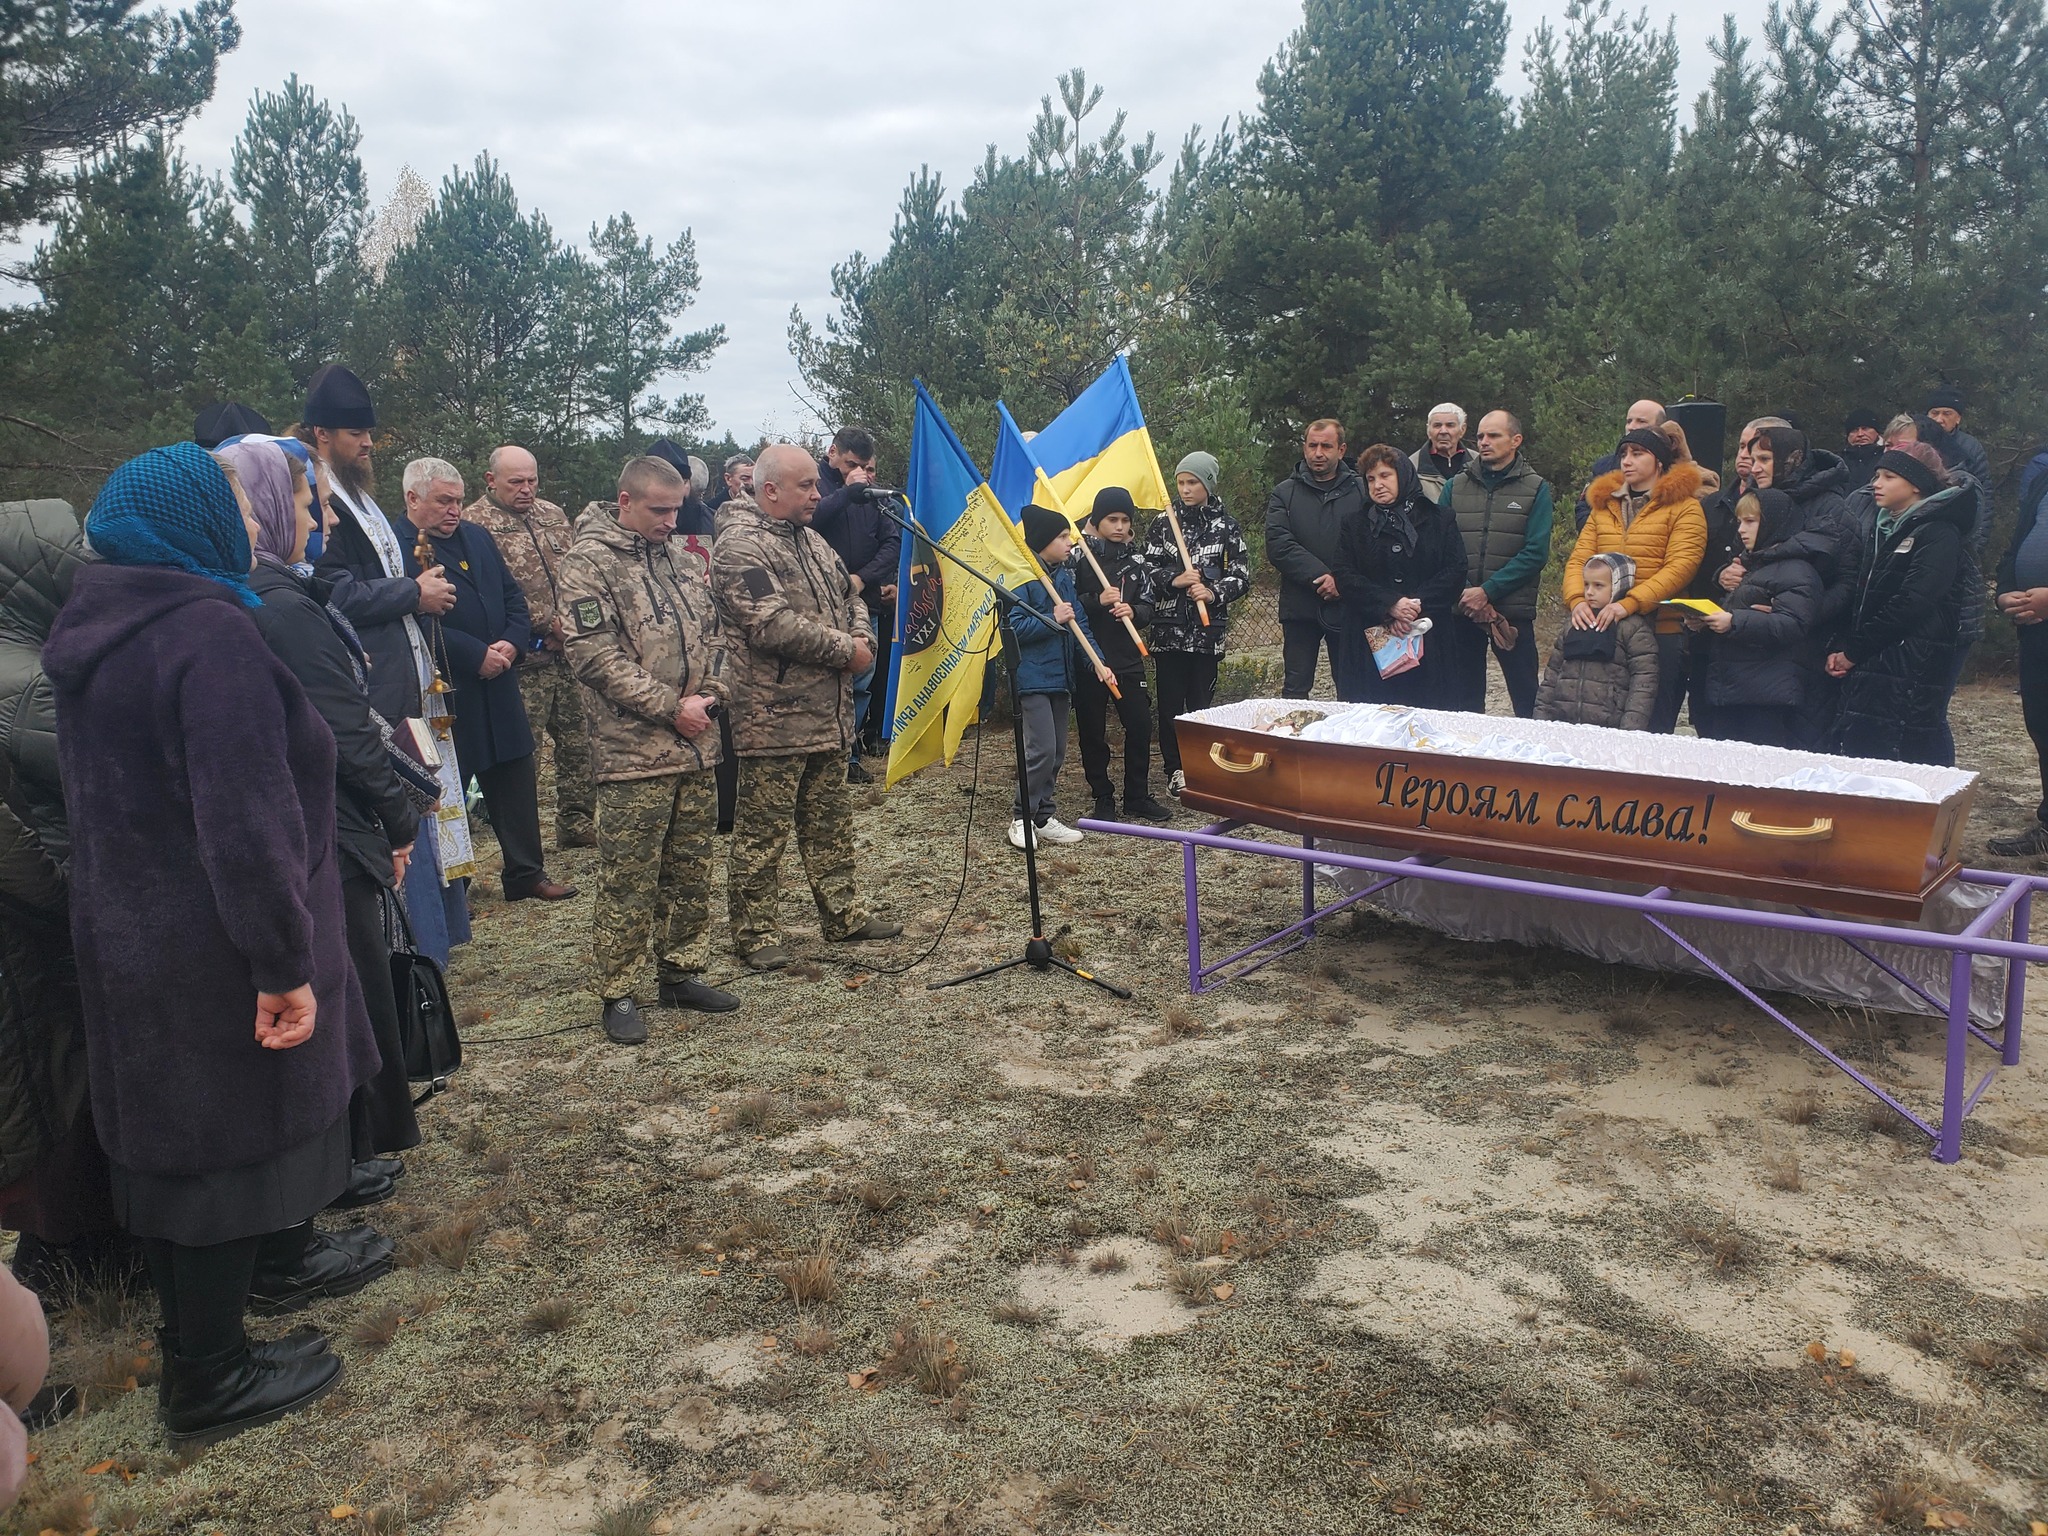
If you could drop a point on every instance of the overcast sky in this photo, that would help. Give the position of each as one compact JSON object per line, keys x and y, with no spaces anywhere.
{"x":780,"y":131}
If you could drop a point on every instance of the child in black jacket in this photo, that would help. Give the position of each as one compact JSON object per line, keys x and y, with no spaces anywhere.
{"x":1756,"y":682}
{"x":1109,"y":531}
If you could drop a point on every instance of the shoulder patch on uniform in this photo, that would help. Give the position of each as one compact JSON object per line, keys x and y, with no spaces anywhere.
{"x":759,"y":583}
{"x":589,"y":613}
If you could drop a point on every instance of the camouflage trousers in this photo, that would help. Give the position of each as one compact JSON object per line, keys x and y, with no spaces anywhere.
{"x":805,"y":790}
{"x":653,"y":879}
{"x":554,"y":703}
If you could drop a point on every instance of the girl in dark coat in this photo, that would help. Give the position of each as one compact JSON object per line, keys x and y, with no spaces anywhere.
{"x":225,"y":1031}
{"x":1402,"y":560}
{"x":375,"y":823}
{"x":1756,"y":683}
{"x":1898,"y":655}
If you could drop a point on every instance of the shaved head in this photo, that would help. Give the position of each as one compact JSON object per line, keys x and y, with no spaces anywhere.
{"x":786,"y":483}
{"x":1644,"y":413}
{"x":512,"y":478}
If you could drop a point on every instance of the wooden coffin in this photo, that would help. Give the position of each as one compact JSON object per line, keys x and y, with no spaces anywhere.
{"x":1623,"y":805}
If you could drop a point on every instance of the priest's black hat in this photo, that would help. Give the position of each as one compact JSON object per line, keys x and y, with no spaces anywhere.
{"x":229,"y":418}
{"x":665,"y":449}
{"x":336,"y":398}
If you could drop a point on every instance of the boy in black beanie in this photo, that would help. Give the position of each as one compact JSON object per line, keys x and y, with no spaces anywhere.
{"x":1110,"y":531}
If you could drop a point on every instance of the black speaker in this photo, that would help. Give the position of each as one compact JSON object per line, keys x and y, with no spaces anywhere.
{"x":1705,"y":423}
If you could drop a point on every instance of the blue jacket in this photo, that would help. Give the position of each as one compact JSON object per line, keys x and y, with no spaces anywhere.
{"x":490,"y":715}
{"x":1046,"y":651}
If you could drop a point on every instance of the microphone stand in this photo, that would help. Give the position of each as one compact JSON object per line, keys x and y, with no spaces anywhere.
{"x":1038,"y":953}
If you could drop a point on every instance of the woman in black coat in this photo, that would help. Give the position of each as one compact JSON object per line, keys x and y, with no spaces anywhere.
{"x":1756,"y":681}
{"x":1898,"y":655}
{"x":225,"y":1031}
{"x":375,"y":824}
{"x":1402,"y":559}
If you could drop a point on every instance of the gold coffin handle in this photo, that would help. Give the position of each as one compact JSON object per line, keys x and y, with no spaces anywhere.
{"x":1819,"y":830}
{"x":1216,"y":756}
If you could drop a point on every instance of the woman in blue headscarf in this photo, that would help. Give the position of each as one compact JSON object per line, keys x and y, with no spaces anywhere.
{"x":225,"y":1030}
{"x":375,"y":820}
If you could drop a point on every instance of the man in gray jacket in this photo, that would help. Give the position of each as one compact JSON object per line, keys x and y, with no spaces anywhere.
{"x":1305,"y":517}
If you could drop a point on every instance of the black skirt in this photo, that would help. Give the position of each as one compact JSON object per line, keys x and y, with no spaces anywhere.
{"x":198,"y":1210}
{"x":381,"y":1113}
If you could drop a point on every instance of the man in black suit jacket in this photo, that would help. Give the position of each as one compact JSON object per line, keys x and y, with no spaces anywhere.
{"x":477,"y":645}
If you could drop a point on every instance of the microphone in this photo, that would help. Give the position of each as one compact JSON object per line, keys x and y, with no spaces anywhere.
{"x":873,"y":493}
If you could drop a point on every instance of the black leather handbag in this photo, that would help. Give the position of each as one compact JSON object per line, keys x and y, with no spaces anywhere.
{"x":426,"y":1019}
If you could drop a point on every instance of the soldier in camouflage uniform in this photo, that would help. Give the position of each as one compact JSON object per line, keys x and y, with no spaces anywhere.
{"x":798,"y":635}
{"x":534,"y":536}
{"x":643,"y":639}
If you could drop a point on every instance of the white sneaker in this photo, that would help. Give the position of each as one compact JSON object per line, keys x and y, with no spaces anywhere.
{"x":1176,"y":783}
{"x":1017,"y":834}
{"x":1055,"y":832}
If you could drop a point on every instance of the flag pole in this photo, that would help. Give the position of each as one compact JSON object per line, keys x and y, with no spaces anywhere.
{"x":1187,"y":563}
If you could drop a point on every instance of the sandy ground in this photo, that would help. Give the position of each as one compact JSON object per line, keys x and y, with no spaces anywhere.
{"x":1399,"y":1234}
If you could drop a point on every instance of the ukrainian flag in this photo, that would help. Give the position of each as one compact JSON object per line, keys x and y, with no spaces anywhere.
{"x":1015,"y":475}
{"x":945,"y":619}
{"x":1100,"y":440}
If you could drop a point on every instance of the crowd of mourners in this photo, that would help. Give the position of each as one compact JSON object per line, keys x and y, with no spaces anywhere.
{"x":242,"y":708}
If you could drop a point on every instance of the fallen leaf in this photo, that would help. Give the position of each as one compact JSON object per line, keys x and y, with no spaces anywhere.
{"x":1077,"y":1183}
{"x":1846,"y":1359}
{"x":100,"y":1467}
{"x":342,"y":1512}
{"x":855,"y":983}
{"x":1817,"y":1352}
{"x":1224,"y":1291}
{"x":2037,"y":1528}
{"x":1935,"y":1522}
{"x":867,"y":1380}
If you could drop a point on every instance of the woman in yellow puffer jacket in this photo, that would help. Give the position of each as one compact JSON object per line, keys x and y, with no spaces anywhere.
{"x":1648,"y":509}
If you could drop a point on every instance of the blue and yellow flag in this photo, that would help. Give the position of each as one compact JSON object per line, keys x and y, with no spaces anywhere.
{"x":1015,"y":475}
{"x":945,"y":619}
{"x":1100,"y":440}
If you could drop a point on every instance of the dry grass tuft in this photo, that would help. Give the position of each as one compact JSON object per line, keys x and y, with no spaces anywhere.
{"x":1081,"y":1225}
{"x":758,"y":1227}
{"x":823,"y":1107}
{"x":1921,"y":1336}
{"x":637,"y":1517}
{"x":1637,"y":1376}
{"x":1781,"y":1170}
{"x":377,"y":1330}
{"x":1880,"y":1117}
{"x":767,"y":1480}
{"x":498,"y":1161}
{"x":805,"y":970}
{"x":1801,"y":1108}
{"x":68,"y":1513}
{"x":1083,"y":1168}
{"x":384,"y":1519}
{"x":1900,"y":1504}
{"x":1717,"y":1075}
{"x":2032,"y":1335}
{"x":1152,"y":1135}
{"x":1528,"y":1316}
{"x":814,"y":1339}
{"x":812,"y":1278}
{"x":1727,"y":1249}
{"x":760,"y":1113}
{"x":1180,"y":1022}
{"x":1986,"y":1354}
{"x":1019,"y":1313}
{"x":1111,"y":1263}
{"x":1144,"y":1173}
{"x":879,"y":1195}
{"x":555,"y":1316}
{"x":449,"y":1244}
{"x":1628,"y":1021}
{"x":1075,"y":1496}
{"x":473,"y":1138}
{"x":1190,"y":1282}
{"x":927,"y":1357}
{"x":1191,"y":1237}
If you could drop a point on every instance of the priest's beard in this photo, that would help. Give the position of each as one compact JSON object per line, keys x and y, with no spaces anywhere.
{"x":357,"y":476}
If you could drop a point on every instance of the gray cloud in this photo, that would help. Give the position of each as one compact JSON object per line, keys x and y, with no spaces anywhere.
{"x":781,"y":132}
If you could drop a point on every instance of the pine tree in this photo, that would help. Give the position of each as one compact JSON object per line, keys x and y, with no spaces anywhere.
{"x":635,"y":295}
{"x":80,"y":77}
{"x":297,"y":172}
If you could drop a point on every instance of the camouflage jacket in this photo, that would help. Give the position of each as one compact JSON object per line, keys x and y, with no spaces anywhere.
{"x":641,"y":634}
{"x":790,"y":618}
{"x":533,"y":547}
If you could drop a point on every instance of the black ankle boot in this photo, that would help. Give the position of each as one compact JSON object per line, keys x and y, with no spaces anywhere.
{"x":220,"y":1395}
{"x":326,"y":1268}
{"x":299,"y":1344}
